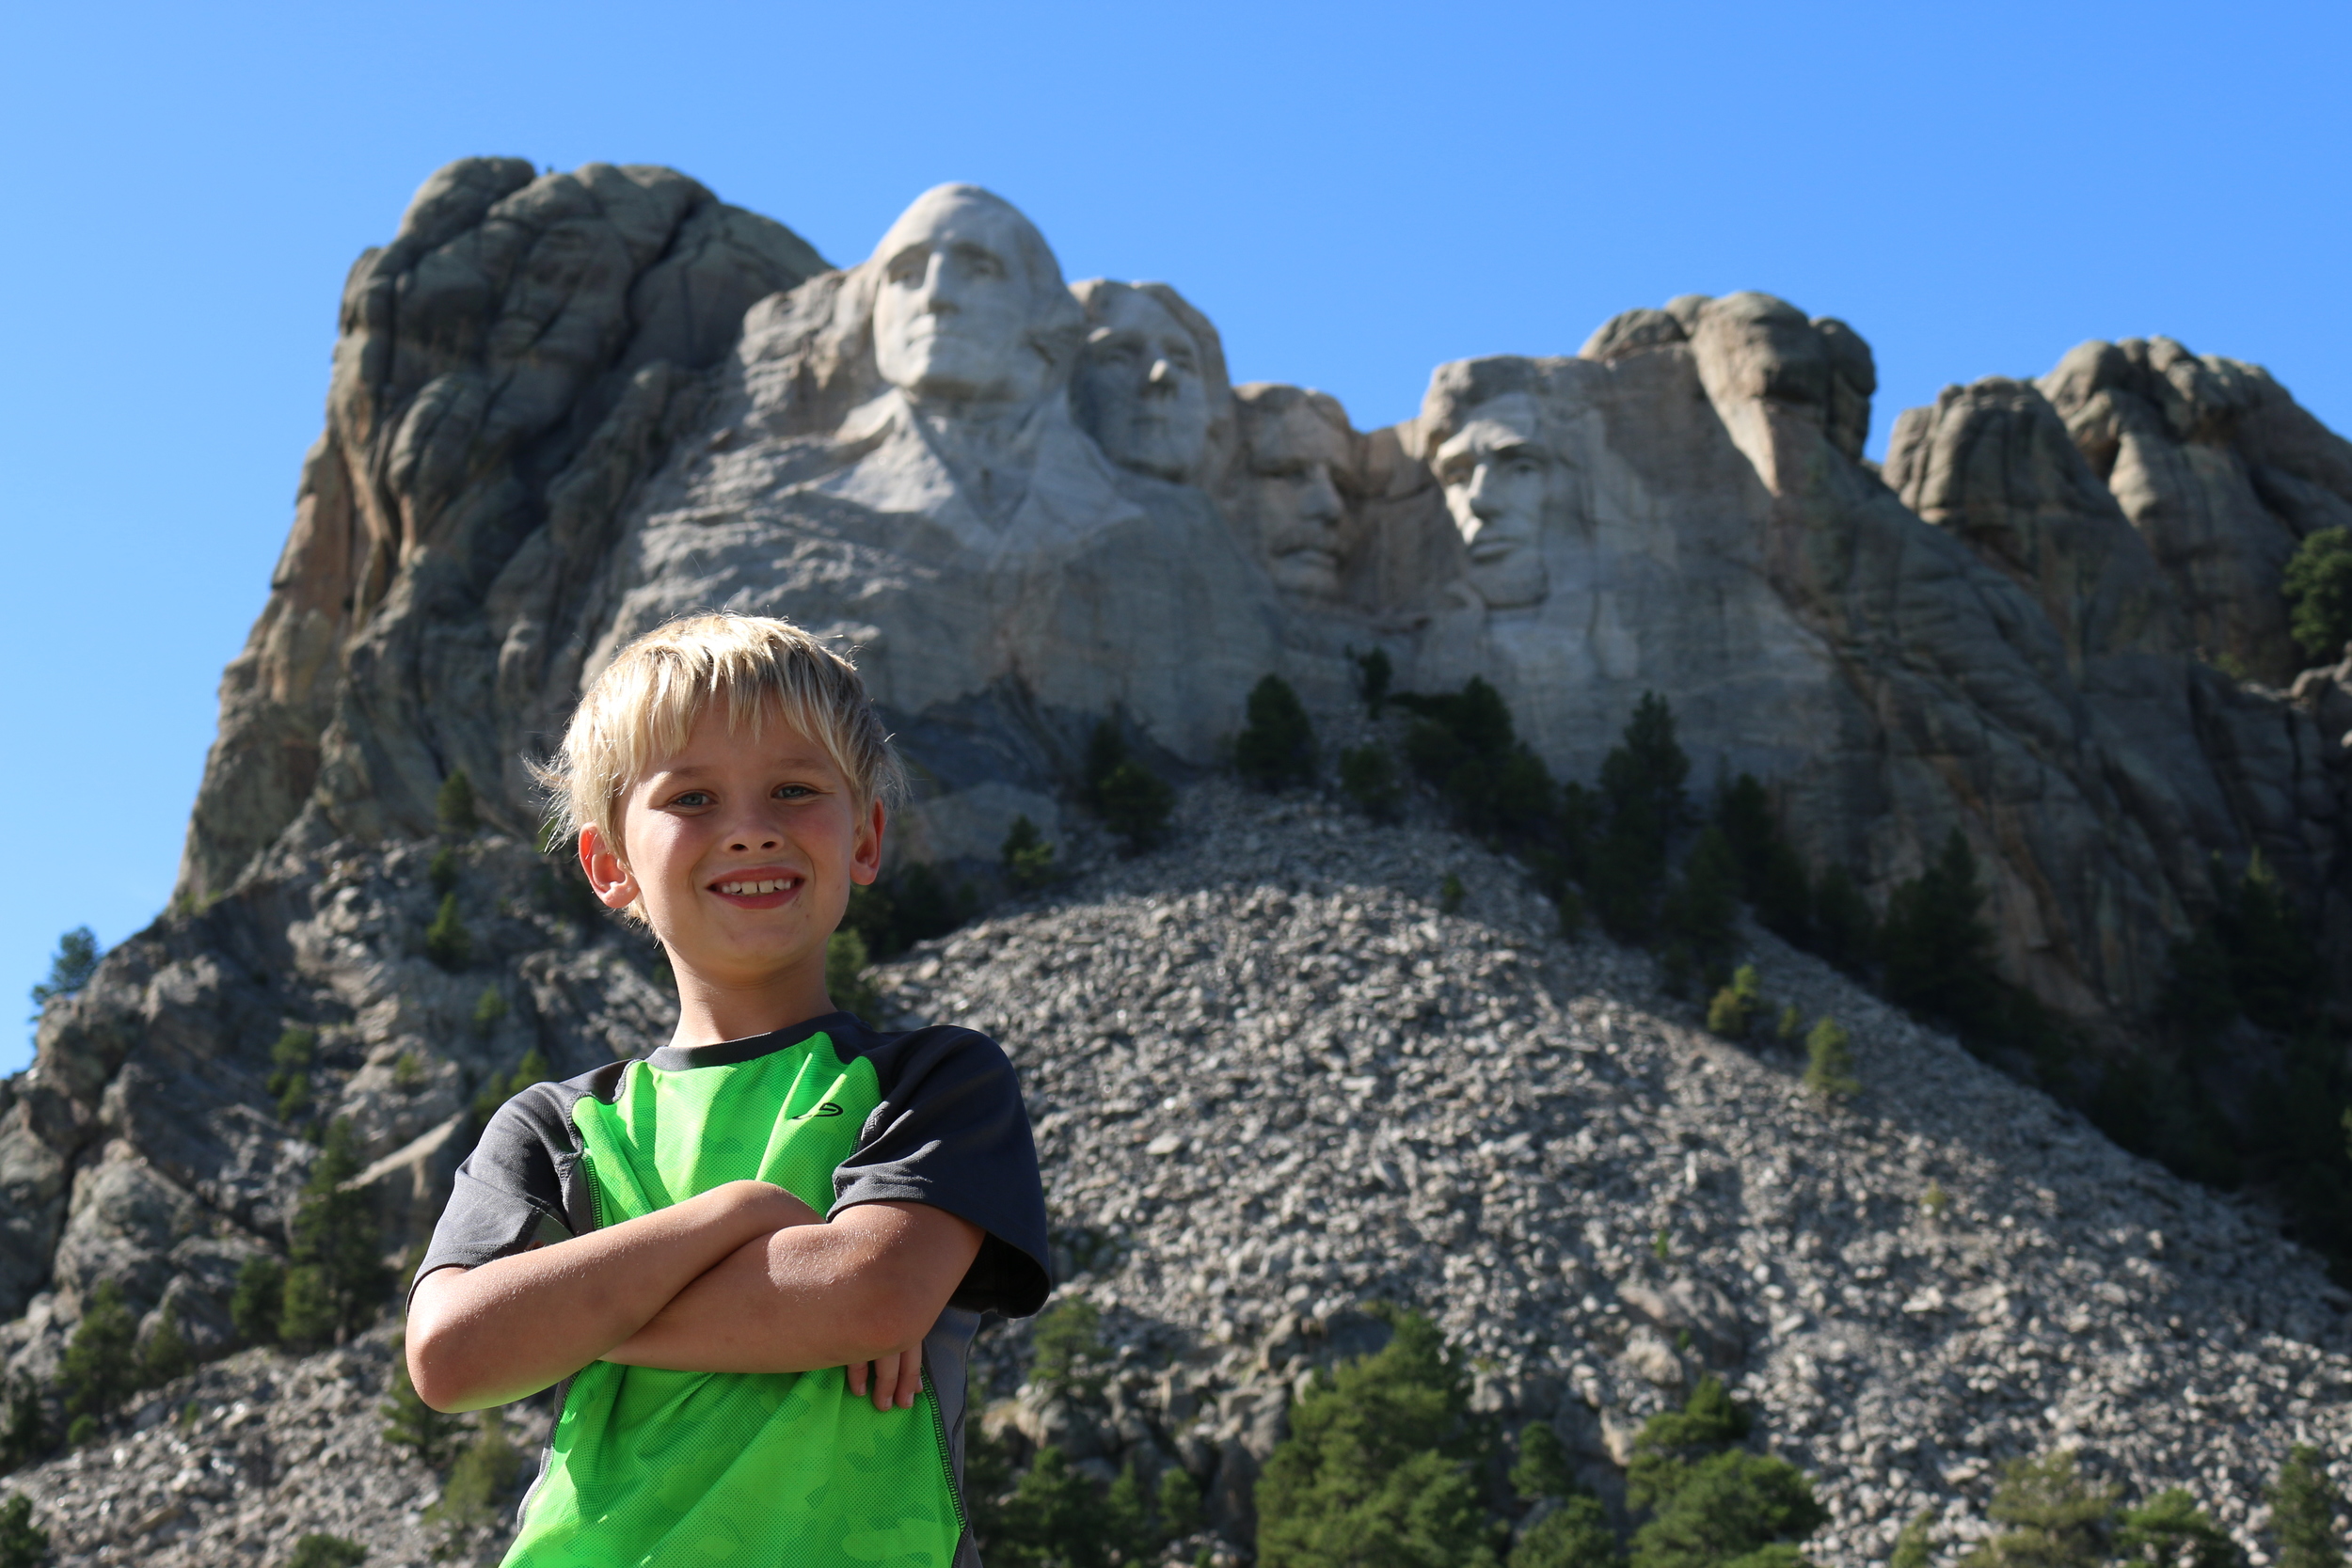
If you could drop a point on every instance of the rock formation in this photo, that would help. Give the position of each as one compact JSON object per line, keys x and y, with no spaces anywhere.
{"x":565,"y":408}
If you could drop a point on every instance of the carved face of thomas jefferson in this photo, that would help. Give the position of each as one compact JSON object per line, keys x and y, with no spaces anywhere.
{"x":966,"y":302}
{"x":1140,"y":388}
{"x":1497,"y":476}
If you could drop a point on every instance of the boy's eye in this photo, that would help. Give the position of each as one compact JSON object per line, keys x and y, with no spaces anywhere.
{"x":793,"y":792}
{"x":693,"y":798}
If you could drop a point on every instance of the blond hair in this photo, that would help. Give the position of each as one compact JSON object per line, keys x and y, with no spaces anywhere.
{"x":657,"y":690}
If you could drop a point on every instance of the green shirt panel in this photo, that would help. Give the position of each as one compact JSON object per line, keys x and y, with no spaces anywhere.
{"x":656,"y":1467}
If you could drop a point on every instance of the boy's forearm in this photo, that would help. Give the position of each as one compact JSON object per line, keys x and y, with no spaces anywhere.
{"x":490,"y":1334}
{"x":869,"y":1282}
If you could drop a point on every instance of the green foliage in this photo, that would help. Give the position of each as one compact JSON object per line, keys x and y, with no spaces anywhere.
{"x":289,"y":1079}
{"x":1829,"y":1064}
{"x":1914,"y":1547}
{"x":1368,"y":778}
{"x":1380,"y":1465}
{"x":1134,"y":802}
{"x":338,"y":1279}
{"x":1028,"y":859}
{"x":1179,"y":1503}
{"x":1053,"y":1520}
{"x":909,"y":905}
{"x":1641,"y":789}
{"x":488,"y":1008}
{"x":259,"y":1299}
{"x":408,"y":1074}
{"x":1731,"y":1507}
{"x":1702,"y":911}
{"x":69,"y":969}
{"x":1275,"y":749}
{"x":1791,"y":1024}
{"x":496,"y":1091}
{"x":442,"y":872}
{"x":1541,"y":1469}
{"x":1574,"y":1535}
{"x":1067,"y":1348}
{"x":412,"y":1424}
{"x":1938,"y":950}
{"x":1737,"y":1008}
{"x":166,"y":1355}
{"x":1128,"y":1525}
{"x":1450,"y":893}
{"x":1672,"y":1440}
{"x":326,"y":1551}
{"x":1845,"y":931}
{"x":99,"y":1366}
{"x":1374,"y":673}
{"x":1771,"y":877}
{"x":22,"y":1544}
{"x":2304,"y":1504}
{"x":2170,"y":1530}
{"x":1465,"y":745}
{"x":846,"y":963}
{"x":24,"y":1430}
{"x":454,"y":807}
{"x":81,"y":1431}
{"x":2273,"y":969}
{"x":2056,"y":1519}
{"x":447,"y":941}
{"x":480,"y":1479}
{"x":2318,"y":584}
{"x":1676,"y":969}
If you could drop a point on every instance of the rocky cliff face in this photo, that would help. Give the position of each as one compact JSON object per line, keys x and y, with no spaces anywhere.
{"x":566,"y":406}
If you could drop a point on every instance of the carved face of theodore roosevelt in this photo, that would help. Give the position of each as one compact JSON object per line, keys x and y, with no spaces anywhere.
{"x":967,"y":302}
{"x":1299,"y":453}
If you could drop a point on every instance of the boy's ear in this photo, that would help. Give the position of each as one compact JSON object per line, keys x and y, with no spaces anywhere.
{"x":865,"y":848}
{"x":616,"y":888}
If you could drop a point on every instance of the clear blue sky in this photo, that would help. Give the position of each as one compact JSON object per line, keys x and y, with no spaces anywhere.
{"x":1353,"y":193}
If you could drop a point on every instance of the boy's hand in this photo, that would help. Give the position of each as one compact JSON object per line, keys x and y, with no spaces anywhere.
{"x":897,"y":1377}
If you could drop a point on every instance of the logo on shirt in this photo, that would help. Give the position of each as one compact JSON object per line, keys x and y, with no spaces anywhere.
{"x":825,"y":1108}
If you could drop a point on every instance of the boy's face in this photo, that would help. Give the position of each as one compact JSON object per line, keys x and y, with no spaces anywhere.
{"x":743,"y":851}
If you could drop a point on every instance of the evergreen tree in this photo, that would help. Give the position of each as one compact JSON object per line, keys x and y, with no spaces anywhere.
{"x":1576,"y":1534}
{"x":1541,"y":1469}
{"x":1672,"y":1441}
{"x":2056,"y":1518}
{"x":1179,"y":1503}
{"x":447,"y":941}
{"x":442,"y":873}
{"x":1276,"y":750}
{"x":1732,"y":1506}
{"x":1937,"y":948}
{"x":412,"y":1424}
{"x":1028,"y":859}
{"x":99,"y":1366}
{"x":1133,"y":801}
{"x":1053,"y":1520}
{"x":2304,"y":1504}
{"x":1068,"y":1353}
{"x":2318,"y":584}
{"x":326,"y":1551}
{"x":23,"y":1544}
{"x":2171,"y":1531}
{"x":496,"y":1091}
{"x":1641,"y":787}
{"x":1127,"y":1524}
{"x":24,"y":1430}
{"x":479,"y":1481}
{"x":338,"y":1279}
{"x":1463,"y":743}
{"x":1704,"y":909}
{"x":1368,"y":778}
{"x":1829,"y":1069}
{"x":167,"y":1355}
{"x":846,"y":963}
{"x":289,"y":1082}
{"x":70,"y":970}
{"x":488,"y":1008}
{"x":2199,"y":1000}
{"x":1737,"y":1008}
{"x":1378,"y":1467}
{"x":1373,"y":675}
{"x":1844,"y":930}
{"x":1772,"y":879}
{"x":1914,"y":1547}
{"x":455,"y":806}
{"x":259,"y":1301}
{"x":2273,"y":971}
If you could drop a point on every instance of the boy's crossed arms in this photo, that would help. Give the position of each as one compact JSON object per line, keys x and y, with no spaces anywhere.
{"x":742,"y":1278}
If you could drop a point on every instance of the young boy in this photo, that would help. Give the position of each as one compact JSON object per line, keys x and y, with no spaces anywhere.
{"x":697,"y":1244}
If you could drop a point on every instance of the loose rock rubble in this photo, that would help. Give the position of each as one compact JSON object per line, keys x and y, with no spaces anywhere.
{"x":1273,"y":1082}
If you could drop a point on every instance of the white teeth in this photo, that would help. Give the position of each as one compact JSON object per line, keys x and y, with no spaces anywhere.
{"x":753,"y":890}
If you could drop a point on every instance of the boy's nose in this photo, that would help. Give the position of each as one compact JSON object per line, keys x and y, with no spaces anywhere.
{"x":747,"y":841}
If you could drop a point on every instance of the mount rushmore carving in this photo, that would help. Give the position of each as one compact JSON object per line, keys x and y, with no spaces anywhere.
{"x":565,"y":408}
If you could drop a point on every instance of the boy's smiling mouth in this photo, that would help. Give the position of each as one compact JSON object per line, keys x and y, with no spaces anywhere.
{"x":762,"y":889}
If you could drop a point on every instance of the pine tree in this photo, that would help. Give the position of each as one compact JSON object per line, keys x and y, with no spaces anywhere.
{"x":259,"y":1303}
{"x":1737,"y":1008}
{"x":1179,"y":1503}
{"x":167,"y":1355}
{"x":455,"y":806}
{"x":1276,"y":750}
{"x":326,"y":1551}
{"x":1844,"y":930}
{"x":75,"y":961}
{"x":1641,"y":786}
{"x":1914,"y":1547}
{"x":1028,"y":859}
{"x":1368,"y":778}
{"x":1378,"y":1467}
{"x":1772,"y":879}
{"x":846,"y":964}
{"x":2318,"y":584}
{"x":481,"y":1477}
{"x":2056,"y":1518}
{"x":24,"y":1430}
{"x":1937,"y":948}
{"x":1127,"y":1525}
{"x":1829,"y":1069}
{"x":1374,"y":674}
{"x":1574,"y":1535}
{"x":447,"y":941}
{"x":99,"y":1366}
{"x":1541,"y":1469}
{"x":1068,"y":1353}
{"x":1704,"y":909}
{"x":338,"y":1279}
{"x":2273,"y":971}
{"x":23,"y":1544}
{"x":2171,"y":1531}
{"x":2304,"y":1504}
{"x":412,"y":1424}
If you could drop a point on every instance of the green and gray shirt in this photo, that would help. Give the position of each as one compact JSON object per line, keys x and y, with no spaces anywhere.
{"x":764,"y":1469}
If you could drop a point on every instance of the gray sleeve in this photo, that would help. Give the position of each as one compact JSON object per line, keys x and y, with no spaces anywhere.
{"x":951,"y":1132}
{"x":519,"y":1186}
